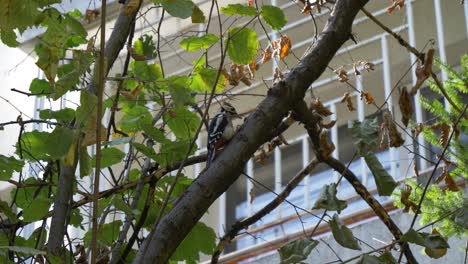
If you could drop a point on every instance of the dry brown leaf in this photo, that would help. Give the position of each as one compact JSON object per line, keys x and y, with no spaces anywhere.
{"x":396,"y":4}
{"x":418,"y":129}
{"x":423,"y":71}
{"x":367,"y":65}
{"x":444,"y":130}
{"x":349,"y":102}
{"x":91,"y":15}
{"x":90,"y":46}
{"x":356,"y":70}
{"x":267,"y":54}
{"x":328,"y":125}
{"x":135,"y":56}
{"x":451,"y":184}
{"x":342,"y":74}
{"x":406,"y":106}
{"x":405,"y":194}
{"x":307,"y":8}
{"x":250,"y":3}
{"x":395,"y":138}
{"x":285,"y":47}
{"x":367,"y":96}
{"x":278,"y":76}
{"x":131,"y":7}
{"x":326,"y":145}
{"x":316,"y":104}
{"x":90,"y":133}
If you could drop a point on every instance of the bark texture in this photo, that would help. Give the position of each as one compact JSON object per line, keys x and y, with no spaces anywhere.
{"x":177,"y":223}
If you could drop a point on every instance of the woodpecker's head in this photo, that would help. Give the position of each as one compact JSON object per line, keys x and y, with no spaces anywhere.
{"x":229,"y":109}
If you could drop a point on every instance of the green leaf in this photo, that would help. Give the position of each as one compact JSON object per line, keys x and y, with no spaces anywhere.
{"x":387,"y":258}
{"x":204,"y":79}
{"x":366,"y":134}
{"x":76,"y":219}
{"x":145,"y":46}
{"x":47,"y":61}
{"x":156,"y":134}
{"x":238,"y":9}
{"x":385,"y":183}
{"x":197,"y":15}
{"x":82,"y":60}
{"x":194,"y":43}
{"x":119,"y":141}
{"x":37,"y":209}
{"x":8,"y":37}
{"x":145,"y":71}
{"x":6,"y":211}
{"x":432,"y":241}
{"x":135,"y":119}
{"x":174,"y":151}
{"x":148,"y":151}
{"x":296,"y":251}
{"x":87,"y":108}
{"x":109,"y":157}
{"x":328,"y":200}
{"x":243,"y":45}
{"x":64,"y":115}
{"x":178,"y":87}
{"x":43,"y":145}
{"x":8,"y":165}
{"x":182,"y":122}
{"x":108,"y":233}
{"x":343,"y":234}
{"x":273,"y":16}
{"x":25,"y":250}
{"x":201,"y":239}
{"x":178,"y":8}
{"x":85,"y":162}
{"x":39,"y":86}
{"x":122,"y":206}
{"x":369,"y":259}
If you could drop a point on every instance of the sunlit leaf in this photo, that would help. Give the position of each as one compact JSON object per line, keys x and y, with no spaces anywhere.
{"x":238,"y":9}
{"x":243,"y":45}
{"x":194,"y":43}
{"x":43,"y":145}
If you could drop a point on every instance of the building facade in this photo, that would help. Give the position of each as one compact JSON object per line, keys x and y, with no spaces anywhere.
{"x":440,"y":24}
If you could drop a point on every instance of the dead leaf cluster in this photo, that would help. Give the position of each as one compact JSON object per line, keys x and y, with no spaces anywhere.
{"x":349,"y":101}
{"x":396,"y":4}
{"x":389,"y":132}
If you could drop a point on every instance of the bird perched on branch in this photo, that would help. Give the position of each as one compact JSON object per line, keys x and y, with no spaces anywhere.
{"x":220,"y":131}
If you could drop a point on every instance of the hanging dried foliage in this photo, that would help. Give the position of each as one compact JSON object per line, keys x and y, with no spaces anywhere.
{"x":349,"y":102}
{"x":367,"y":96}
{"x":406,"y":106}
{"x":423,"y":71}
{"x":394,"y":137}
{"x":317,"y":106}
{"x":396,"y":4}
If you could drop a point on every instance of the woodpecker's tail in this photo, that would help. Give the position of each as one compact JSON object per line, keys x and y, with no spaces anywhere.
{"x":211,"y":156}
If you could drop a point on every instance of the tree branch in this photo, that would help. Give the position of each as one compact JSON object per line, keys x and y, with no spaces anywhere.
{"x":238,"y":226}
{"x":304,"y":115}
{"x":214,"y":181}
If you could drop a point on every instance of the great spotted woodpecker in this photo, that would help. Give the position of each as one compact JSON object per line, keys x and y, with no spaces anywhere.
{"x":220,"y":131}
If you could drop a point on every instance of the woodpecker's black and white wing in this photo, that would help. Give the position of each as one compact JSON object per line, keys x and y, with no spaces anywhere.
{"x":215,"y":134}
